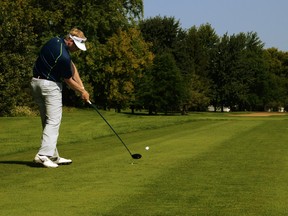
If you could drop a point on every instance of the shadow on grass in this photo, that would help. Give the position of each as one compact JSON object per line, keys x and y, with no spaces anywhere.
{"x":23,"y":163}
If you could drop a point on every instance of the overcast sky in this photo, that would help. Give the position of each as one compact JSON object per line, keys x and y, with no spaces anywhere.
{"x":268,"y":18}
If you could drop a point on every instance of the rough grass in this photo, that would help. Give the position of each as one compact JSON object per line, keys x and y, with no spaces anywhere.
{"x":201,"y":164}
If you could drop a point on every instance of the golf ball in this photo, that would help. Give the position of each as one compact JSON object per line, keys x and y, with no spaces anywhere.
{"x":147,"y":148}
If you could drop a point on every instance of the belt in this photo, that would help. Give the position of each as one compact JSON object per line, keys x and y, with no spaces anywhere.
{"x":44,"y":78}
{"x":39,"y":77}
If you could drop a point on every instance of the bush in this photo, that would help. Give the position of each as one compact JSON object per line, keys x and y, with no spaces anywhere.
{"x":23,"y":111}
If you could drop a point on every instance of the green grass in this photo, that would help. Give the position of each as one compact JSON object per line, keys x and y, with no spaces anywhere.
{"x":200,"y":164}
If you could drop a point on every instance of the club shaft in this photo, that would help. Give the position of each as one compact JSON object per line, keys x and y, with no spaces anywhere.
{"x":110,"y":126}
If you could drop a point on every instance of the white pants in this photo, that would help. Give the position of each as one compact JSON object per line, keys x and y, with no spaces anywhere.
{"x":48,"y":95}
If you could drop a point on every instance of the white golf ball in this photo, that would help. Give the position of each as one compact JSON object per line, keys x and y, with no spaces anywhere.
{"x":147,"y":148}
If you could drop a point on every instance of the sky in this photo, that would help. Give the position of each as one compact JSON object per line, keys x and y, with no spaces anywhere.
{"x":268,"y":18}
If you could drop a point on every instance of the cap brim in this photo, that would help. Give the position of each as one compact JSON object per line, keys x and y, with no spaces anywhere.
{"x":80,"y":45}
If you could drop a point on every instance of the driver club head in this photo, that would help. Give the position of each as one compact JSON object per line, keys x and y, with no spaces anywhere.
{"x":136,"y":156}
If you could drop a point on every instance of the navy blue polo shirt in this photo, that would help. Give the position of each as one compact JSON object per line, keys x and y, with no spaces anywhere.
{"x":54,"y":61}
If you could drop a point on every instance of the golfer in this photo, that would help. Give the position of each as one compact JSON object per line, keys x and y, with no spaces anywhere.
{"x":53,"y":66}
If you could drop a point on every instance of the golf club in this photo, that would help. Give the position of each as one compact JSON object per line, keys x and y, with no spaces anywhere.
{"x":134,"y":156}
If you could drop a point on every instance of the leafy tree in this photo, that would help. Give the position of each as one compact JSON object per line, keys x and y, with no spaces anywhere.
{"x":99,"y":18}
{"x":122,"y":60}
{"x":251,"y":73}
{"x":237,"y":70}
{"x":193,"y":54}
{"x":162,"y":32}
{"x":277,"y":82}
{"x":16,"y":57}
{"x":161,"y":88}
{"x":158,"y":91}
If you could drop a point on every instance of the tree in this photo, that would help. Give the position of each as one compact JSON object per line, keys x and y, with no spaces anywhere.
{"x":161,"y":87}
{"x":120,"y":61}
{"x":236,"y":70}
{"x":251,"y":75}
{"x":99,"y":18}
{"x":193,"y":53}
{"x":16,"y":57}
{"x":162,"y":32}
{"x":277,"y":81}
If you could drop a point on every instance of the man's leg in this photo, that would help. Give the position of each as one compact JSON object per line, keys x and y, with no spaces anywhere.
{"x":52,"y":93}
{"x":39,"y":99}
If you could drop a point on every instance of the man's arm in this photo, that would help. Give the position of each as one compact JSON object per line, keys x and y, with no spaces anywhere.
{"x":78,"y":88}
{"x":76,"y":75}
{"x":76,"y":84}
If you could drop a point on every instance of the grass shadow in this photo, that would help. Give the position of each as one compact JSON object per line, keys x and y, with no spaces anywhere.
{"x":23,"y":163}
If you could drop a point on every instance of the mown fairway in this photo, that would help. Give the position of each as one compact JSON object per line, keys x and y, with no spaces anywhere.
{"x":201,"y":164}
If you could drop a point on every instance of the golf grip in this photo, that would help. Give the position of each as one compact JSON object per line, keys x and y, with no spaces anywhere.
{"x":109,"y":126}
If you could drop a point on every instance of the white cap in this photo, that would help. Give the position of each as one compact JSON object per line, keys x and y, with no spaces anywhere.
{"x":80,"y":42}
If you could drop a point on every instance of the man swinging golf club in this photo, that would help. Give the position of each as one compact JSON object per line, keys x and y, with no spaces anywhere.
{"x":52,"y":66}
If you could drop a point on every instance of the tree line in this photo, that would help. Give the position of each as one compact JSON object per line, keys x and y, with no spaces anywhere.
{"x":137,"y":63}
